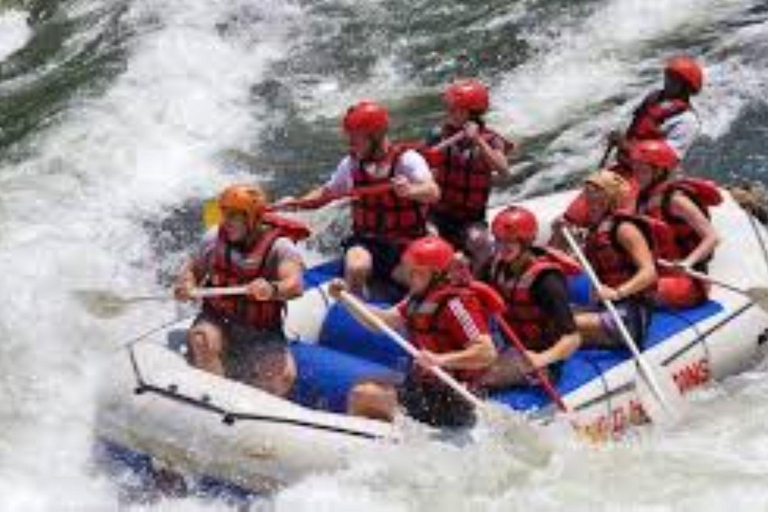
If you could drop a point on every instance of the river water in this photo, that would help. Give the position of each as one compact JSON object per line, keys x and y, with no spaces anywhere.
{"x":118,"y":116}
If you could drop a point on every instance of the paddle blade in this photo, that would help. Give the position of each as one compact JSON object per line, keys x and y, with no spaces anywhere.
{"x":665,"y":410}
{"x":528,"y":444}
{"x":100,"y":303}
{"x":211,"y":213}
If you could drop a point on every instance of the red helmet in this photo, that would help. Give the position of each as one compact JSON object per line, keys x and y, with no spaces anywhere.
{"x":517,"y":223}
{"x":367,"y":117}
{"x":429,"y":251}
{"x":688,"y":70}
{"x":249,"y":199}
{"x":471,"y":95}
{"x":654,"y":152}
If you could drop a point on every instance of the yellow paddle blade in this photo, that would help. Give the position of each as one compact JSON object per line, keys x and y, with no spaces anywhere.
{"x":211,"y":213}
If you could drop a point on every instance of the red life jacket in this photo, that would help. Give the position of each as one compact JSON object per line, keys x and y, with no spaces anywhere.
{"x":652,"y":113}
{"x":225,"y":266}
{"x":386,"y":215}
{"x":612,"y":264}
{"x":523,"y":314}
{"x":464,"y":177}
{"x":656,"y":203}
{"x":424,"y":320}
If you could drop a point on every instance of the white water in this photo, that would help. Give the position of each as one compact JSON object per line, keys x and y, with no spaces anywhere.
{"x":14,"y":32}
{"x":70,"y":216}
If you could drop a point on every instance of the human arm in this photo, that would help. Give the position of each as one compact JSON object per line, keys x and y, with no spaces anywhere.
{"x":550,"y":293}
{"x":685,"y":209}
{"x":193,"y":270}
{"x":631,"y":239}
{"x":465,"y":319}
{"x":286,"y":261}
{"x":413,"y":179}
{"x":493,"y":150}
{"x":339,"y":183}
{"x":185,"y":281}
{"x":392,"y":316}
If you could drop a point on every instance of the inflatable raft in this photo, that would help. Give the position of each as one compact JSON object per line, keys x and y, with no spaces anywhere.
{"x":155,"y":411}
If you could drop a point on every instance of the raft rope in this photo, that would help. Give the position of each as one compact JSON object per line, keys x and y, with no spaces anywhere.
{"x":753,"y":199}
{"x":141,"y":337}
{"x":760,"y":239}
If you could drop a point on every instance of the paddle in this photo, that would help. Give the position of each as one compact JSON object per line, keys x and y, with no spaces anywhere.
{"x":108,"y":304}
{"x":758,"y":295}
{"x":607,"y":153}
{"x":664,"y":404}
{"x":212,"y":212}
{"x":531,"y":447}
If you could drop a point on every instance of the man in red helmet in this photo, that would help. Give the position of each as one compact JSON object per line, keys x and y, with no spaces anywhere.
{"x":241,"y":337}
{"x":682,"y":204}
{"x":382,"y":224}
{"x":465,"y":167}
{"x":448,"y":324}
{"x":532,"y":281}
{"x":667,"y":114}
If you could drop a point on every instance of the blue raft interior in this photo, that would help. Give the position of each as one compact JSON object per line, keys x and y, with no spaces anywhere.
{"x":347,"y":353}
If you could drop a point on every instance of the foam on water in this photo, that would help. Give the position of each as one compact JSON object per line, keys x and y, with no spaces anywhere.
{"x":585,"y":80}
{"x":14,"y":32}
{"x":72,"y":217}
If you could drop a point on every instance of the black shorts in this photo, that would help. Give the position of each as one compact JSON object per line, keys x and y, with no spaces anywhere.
{"x":244,"y":346}
{"x":454,"y":230}
{"x":434,"y":403}
{"x":384,"y":255}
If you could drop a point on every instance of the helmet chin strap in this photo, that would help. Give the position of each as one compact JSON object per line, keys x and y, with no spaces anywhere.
{"x":375,"y":151}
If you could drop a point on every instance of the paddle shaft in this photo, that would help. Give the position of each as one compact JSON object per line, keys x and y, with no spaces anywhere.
{"x":607,"y":153}
{"x":540,"y":373}
{"x":218,"y":291}
{"x":360,"y":309}
{"x":355,"y":193}
{"x":196,"y":293}
{"x":642,"y":364}
{"x":704,"y":277}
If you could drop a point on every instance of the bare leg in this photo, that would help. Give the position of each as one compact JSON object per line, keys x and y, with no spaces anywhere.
{"x":509,"y":369}
{"x":593,"y":332}
{"x":358,"y":265}
{"x":206,"y":344}
{"x":372,"y":400}
{"x":274,"y":371}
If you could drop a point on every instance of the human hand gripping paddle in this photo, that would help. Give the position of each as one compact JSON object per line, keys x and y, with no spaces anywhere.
{"x":529,"y":444}
{"x":656,"y":389}
{"x":108,"y":304}
{"x":758,"y":295}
